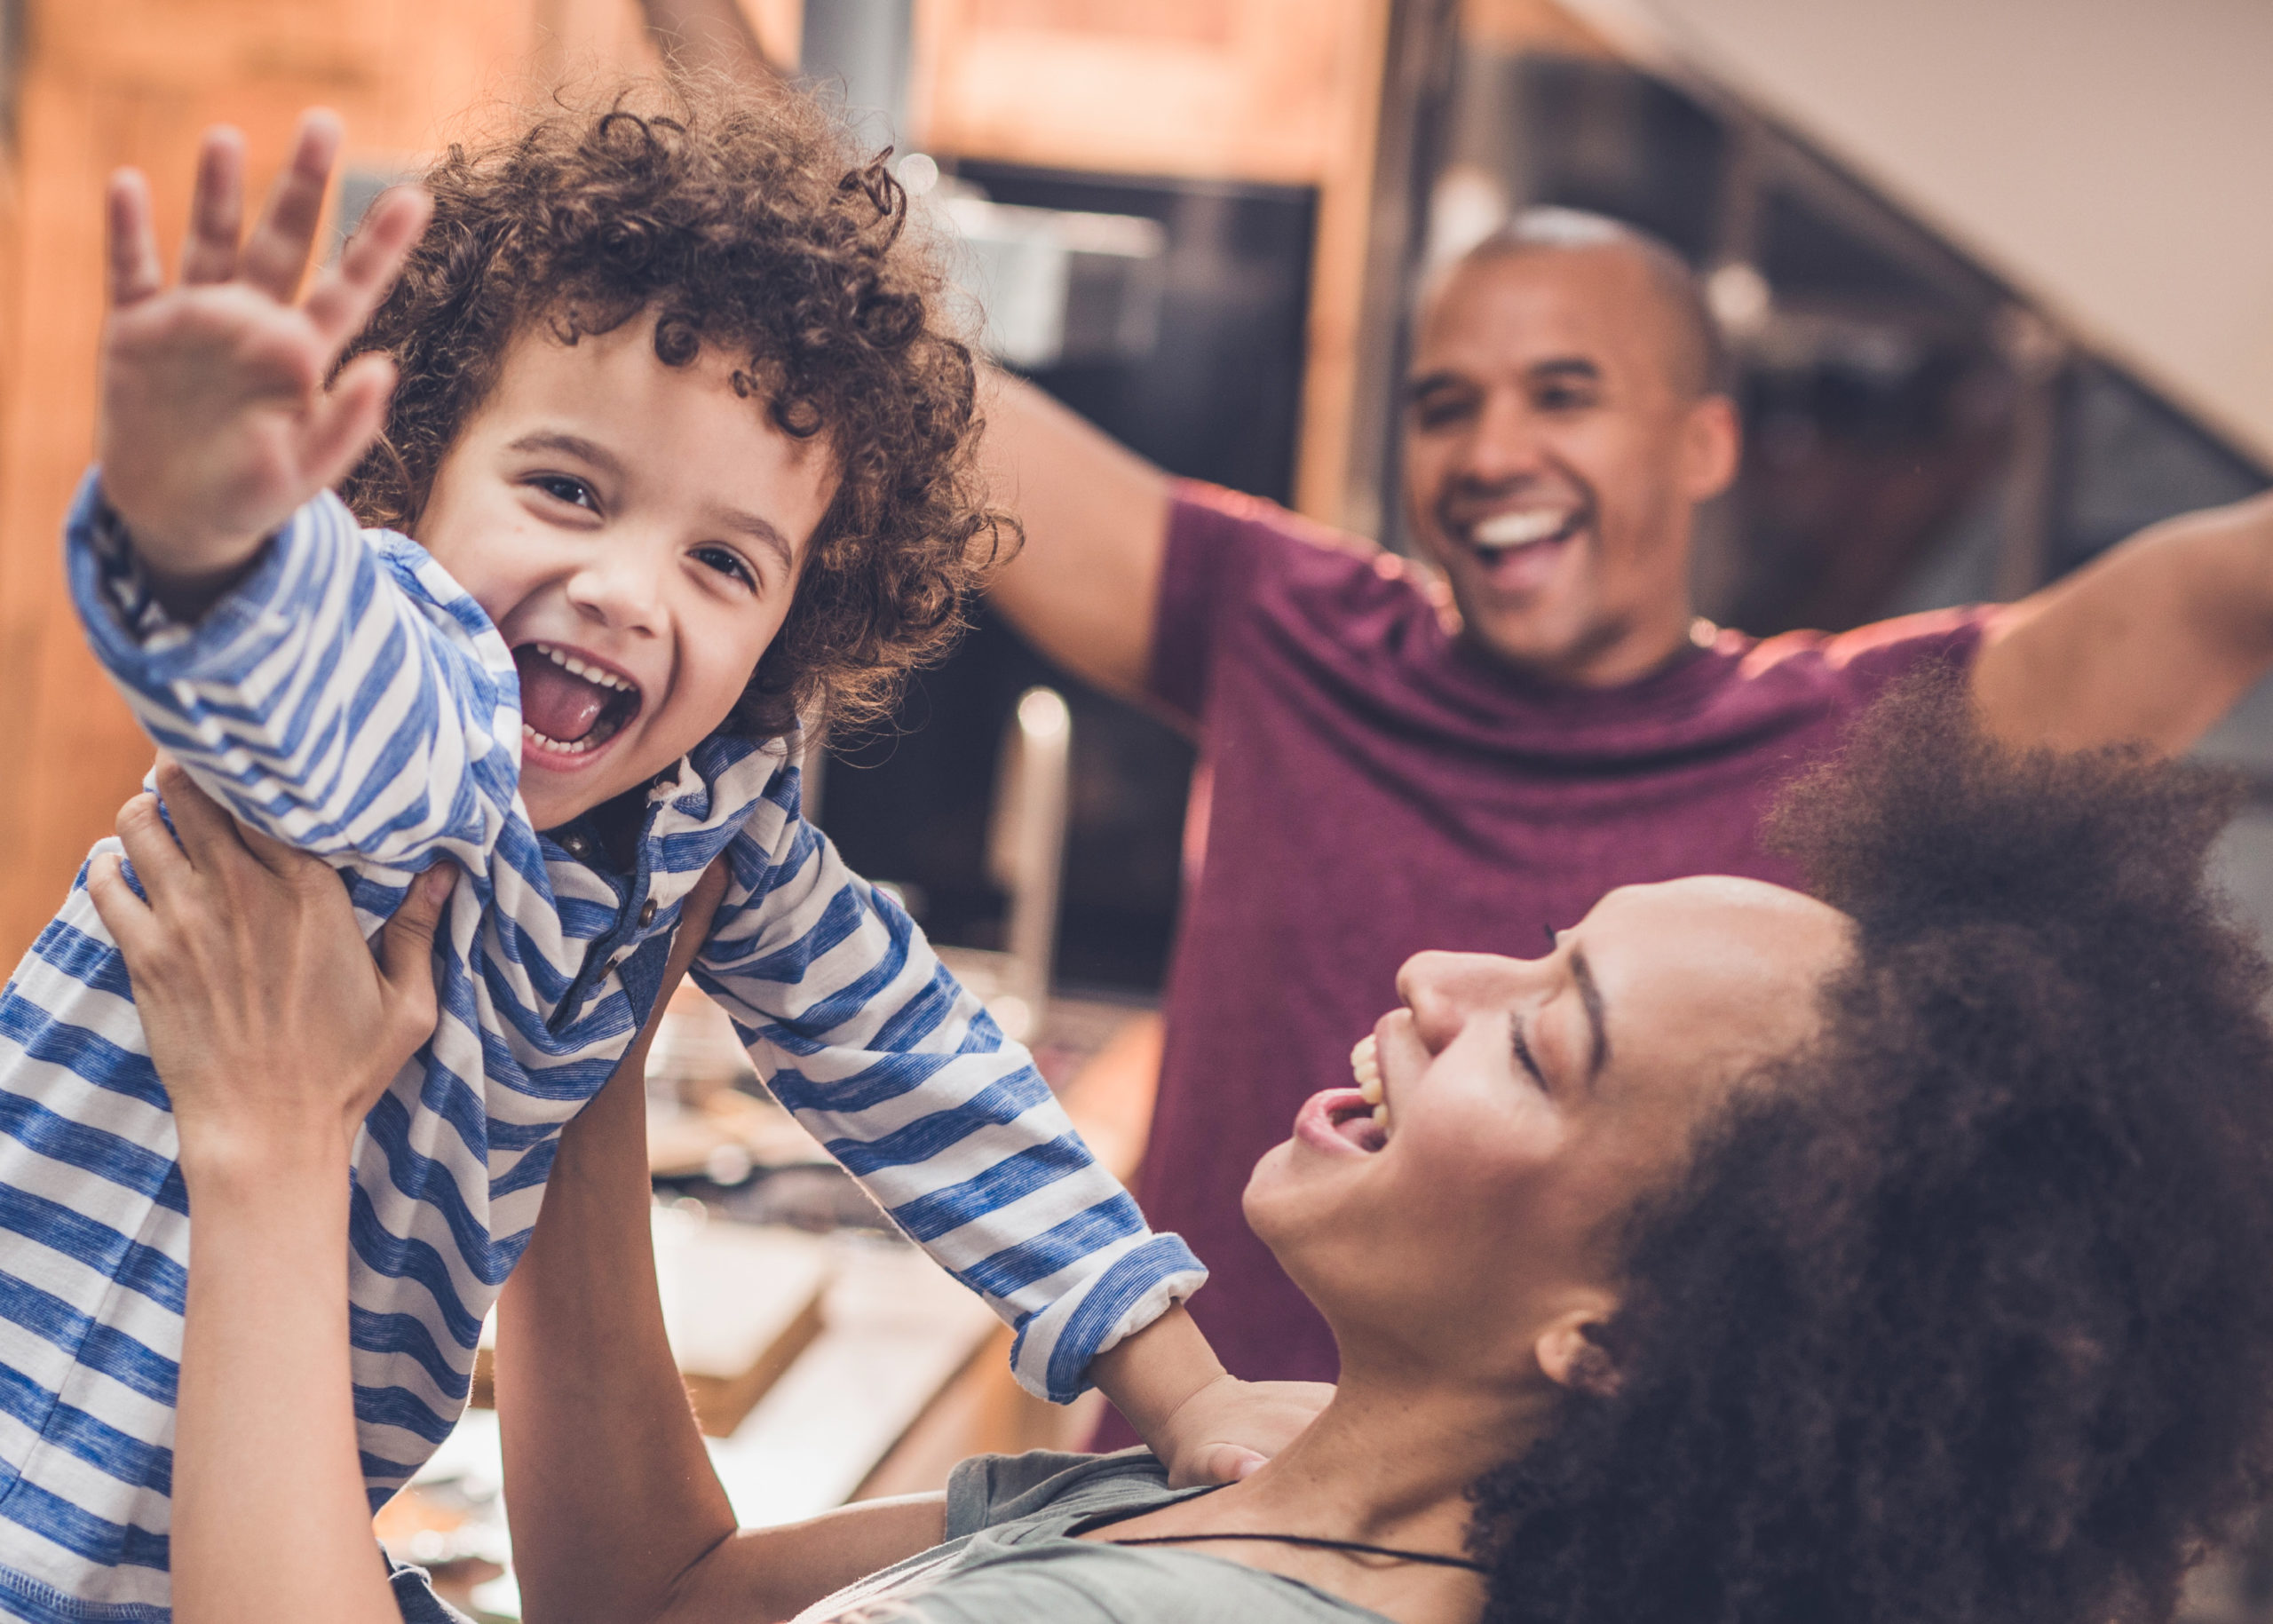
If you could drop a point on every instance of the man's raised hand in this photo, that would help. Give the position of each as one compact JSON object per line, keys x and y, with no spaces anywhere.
{"x":215,"y":421}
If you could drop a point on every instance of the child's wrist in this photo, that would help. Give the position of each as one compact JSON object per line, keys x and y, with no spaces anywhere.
{"x":1152,"y":1374}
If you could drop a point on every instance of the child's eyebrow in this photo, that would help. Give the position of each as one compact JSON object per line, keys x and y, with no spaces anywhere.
{"x":570,"y":445}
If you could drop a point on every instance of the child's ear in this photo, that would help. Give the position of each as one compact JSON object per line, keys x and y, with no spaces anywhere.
{"x":1573,"y":1351}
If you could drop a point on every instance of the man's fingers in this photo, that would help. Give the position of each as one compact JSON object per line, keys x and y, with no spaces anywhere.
{"x":217,"y":210}
{"x":125,"y":915}
{"x":276,"y":255}
{"x":135,"y":272}
{"x":344,"y":297}
{"x":149,"y":845}
{"x":348,"y":418}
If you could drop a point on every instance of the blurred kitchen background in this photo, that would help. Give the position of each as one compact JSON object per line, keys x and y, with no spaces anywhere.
{"x":1999,"y":275}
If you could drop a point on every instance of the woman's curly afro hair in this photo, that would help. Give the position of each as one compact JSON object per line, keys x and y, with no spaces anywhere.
{"x":1967,"y":1314}
{"x":736,"y":217}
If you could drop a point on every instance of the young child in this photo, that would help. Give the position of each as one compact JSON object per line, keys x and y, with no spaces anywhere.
{"x":687,"y":456}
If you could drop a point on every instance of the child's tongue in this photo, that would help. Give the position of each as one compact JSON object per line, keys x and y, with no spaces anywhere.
{"x":556,"y":702}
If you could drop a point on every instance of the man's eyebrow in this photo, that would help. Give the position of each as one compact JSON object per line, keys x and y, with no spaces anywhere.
{"x":1563,"y":367}
{"x":1590,"y":996}
{"x":1428,"y":383}
{"x":570,"y":445}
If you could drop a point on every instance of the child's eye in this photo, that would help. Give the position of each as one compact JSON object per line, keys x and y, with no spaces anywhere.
{"x":728,"y":562}
{"x":560,"y":488}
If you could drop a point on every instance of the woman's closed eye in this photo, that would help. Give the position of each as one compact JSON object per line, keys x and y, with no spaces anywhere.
{"x":1524,"y":1056}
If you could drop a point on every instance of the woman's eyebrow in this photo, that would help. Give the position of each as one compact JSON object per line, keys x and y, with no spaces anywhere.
{"x":1590,"y":996}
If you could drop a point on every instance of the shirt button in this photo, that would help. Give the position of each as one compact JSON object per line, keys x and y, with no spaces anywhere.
{"x":648,"y":914}
{"x":577,"y":847}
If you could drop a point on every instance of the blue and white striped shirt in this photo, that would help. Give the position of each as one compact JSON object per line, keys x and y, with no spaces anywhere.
{"x":349,"y":698}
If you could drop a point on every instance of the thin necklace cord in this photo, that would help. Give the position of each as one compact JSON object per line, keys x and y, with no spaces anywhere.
{"x":1090,"y":1525}
{"x":1314,"y":1542}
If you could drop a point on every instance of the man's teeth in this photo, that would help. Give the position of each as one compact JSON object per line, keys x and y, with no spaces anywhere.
{"x":562,"y":745}
{"x":578,"y":667}
{"x":1366,"y":1065}
{"x":1520,"y":528}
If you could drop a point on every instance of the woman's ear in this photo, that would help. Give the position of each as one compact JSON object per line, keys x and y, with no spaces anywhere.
{"x":1572,"y":1350}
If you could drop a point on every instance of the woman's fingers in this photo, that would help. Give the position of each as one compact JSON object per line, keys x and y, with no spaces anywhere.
{"x":125,"y":915}
{"x":407,"y":944}
{"x":207,"y":831}
{"x":135,"y":271}
{"x":276,"y":255}
{"x":343,"y":296}
{"x":150,"y":845}
{"x":217,"y":210}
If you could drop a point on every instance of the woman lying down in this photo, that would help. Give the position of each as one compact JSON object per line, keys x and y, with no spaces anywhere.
{"x":1896,"y":1253}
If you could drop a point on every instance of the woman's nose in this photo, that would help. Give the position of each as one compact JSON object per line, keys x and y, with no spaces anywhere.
{"x":1445,"y":991}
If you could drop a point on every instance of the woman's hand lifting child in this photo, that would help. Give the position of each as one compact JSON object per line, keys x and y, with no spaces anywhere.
{"x":247,"y":948}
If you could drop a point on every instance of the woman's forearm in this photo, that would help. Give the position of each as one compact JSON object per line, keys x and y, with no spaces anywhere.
{"x":609,"y":1489}
{"x":269,"y":1516}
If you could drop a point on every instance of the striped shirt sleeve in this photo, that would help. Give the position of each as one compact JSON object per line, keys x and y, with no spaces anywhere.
{"x":346,"y":696}
{"x":888,"y":1061}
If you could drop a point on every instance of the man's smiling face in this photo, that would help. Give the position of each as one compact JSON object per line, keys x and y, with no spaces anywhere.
{"x":634,"y":530}
{"x":1552,"y":454}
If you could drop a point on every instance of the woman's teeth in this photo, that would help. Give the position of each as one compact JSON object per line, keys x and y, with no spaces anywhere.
{"x":1366,"y":1065}
{"x":578,"y":667}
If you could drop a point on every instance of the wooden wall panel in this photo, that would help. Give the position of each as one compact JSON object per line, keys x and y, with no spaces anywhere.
{"x":1283,"y":91}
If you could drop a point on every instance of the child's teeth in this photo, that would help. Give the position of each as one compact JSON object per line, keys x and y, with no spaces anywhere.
{"x":1380,"y":1114}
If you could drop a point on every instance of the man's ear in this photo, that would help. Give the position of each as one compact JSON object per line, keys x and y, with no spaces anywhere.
{"x":1573,"y":1352}
{"x":1712,"y":442}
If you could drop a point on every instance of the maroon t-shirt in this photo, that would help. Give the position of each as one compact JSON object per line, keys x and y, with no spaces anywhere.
{"x":1369,"y":787}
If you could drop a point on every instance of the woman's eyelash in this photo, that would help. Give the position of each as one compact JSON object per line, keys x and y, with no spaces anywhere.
{"x":1522,"y":1050}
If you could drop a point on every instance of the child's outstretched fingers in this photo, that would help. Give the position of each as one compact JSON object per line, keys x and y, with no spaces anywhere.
{"x":132,"y":256}
{"x":275,"y":255}
{"x":217,"y":208}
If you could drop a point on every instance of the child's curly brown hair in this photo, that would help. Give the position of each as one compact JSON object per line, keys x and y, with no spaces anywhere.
{"x":739,"y":216}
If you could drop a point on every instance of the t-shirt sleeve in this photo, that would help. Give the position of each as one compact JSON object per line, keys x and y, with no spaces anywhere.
{"x":1870,"y":657}
{"x":1223,"y":549}
{"x":989,"y":1490}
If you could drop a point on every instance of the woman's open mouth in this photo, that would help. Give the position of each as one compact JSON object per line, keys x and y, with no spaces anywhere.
{"x":571,"y":703}
{"x":1347,"y":1120}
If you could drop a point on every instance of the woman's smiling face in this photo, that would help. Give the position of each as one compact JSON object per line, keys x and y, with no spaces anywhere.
{"x":1530,"y":1103}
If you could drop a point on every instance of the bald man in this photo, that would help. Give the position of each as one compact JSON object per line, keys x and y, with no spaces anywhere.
{"x":1467,"y":755}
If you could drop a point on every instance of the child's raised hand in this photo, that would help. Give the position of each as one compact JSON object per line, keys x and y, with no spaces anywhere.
{"x":215,"y":421}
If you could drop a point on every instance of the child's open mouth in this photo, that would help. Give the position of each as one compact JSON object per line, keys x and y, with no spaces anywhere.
{"x":571,"y":704}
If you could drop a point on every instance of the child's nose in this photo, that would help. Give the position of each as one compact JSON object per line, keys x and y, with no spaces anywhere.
{"x":621,"y":592}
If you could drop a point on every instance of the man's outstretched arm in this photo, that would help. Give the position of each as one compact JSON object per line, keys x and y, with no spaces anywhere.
{"x":1086,"y":586}
{"x":2153,"y":641}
